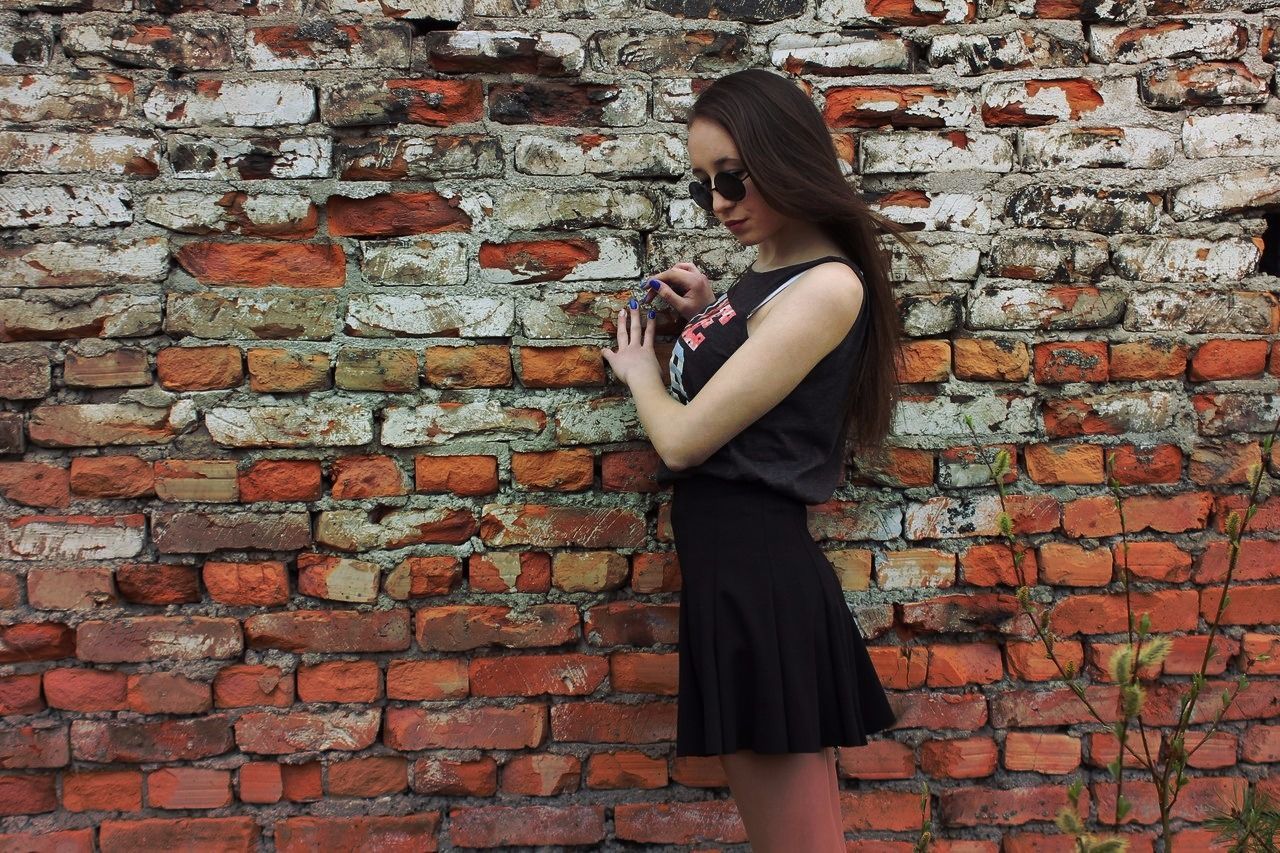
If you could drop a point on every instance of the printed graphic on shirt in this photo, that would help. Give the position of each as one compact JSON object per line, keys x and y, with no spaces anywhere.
{"x":720,"y":311}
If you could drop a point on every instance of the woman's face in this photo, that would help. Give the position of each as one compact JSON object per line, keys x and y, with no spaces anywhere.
{"x":711,"y":151}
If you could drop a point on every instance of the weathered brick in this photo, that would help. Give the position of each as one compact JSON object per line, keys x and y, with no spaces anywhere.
{"x":475,"y":366}
{"x":338,"y":578}
{"x":1185,"y":84}
{"x":545,"y":54}
{"x":320,"y":43}
{"x":228,"y":833}
{"x":381,"y":832}
{"x":281,"y":480}
{"x":1067,"y":147}
{"x":322,"y":423}
{"x":265,"y":264}
{"x":410,"y":426}
{"x":199,"y":368}
{"x":332,"y":631}
{"x":250,"y":158}
{"x":85,"y":98}
{"x":918,"y":151}
{"x":1207,"y":39}
{"x":109,"y":741}
{"x":72,"y":537}
{"x":79,"y":206}
{"x":390,"y":370}
{"x":356,"y":529}
{"x":70,"y":589}
{"x":416,"y":577}
{"x":204,"y":480}
{"x":395,"y":158}
{"x":340,"y":681}
{"x":286,"y":371}
{"x":192,"y":103}
{"x":106,"y":424}
{"x":531,"y":210}
{"x":1232,"y":134}
{"x":556,"y":526}
{"x":284,"y":216}
{"x":260,"y":584}
{"x":438,"y":103}
{"x":60,"y":153}
{"x":205,"y":532}
{"x":249,"y":685}
{"x":189,"y":788}
{"x":144,"y":638}
{"x":111,"y":477}
{"x":56,"y":314}
{"x":182,"y":46}
{"x":969,"y":53}
{"x":157,"y":583}
{"x":487,"y":727}
{"x":462,"y":627}
{"x":122,"y":367}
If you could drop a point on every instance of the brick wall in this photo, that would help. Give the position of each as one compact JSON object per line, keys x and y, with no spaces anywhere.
{"x":323,"y":526}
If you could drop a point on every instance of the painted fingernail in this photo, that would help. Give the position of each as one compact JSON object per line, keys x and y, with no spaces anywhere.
{"x":654,"y":283}
{"x":652,"y":313}
{"x":632,"y":303}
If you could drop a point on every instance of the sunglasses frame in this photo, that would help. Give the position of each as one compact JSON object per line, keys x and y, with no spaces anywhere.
{"x":700,"y":190}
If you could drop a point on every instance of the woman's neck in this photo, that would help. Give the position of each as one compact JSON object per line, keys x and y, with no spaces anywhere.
{"x":793,"y":244}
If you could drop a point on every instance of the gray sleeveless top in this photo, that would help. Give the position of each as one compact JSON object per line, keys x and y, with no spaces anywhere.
{"x":795,"y":447}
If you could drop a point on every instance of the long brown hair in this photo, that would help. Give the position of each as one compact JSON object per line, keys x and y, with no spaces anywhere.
{"x":787,"y":148}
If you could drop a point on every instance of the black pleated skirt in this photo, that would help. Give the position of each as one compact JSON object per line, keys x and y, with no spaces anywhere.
{"x":770,"y":656}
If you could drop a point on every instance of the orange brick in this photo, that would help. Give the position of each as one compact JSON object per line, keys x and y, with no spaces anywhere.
{"x":1136,"y":361}
{"x":283,"y":371}
{"x":281,"y":480}
{"x":924,"y":361}
{"x":1041,"y":753}
{"x":373,"y":776}
{"x":1214,"y":360}
{"x":991,"y":359}
{"x":462,"y":475}
{"x":356,"y":477}
{"x":199,"y":368}
{"x":476,"y":366}
{"x":968,"y":663}
{"x":261,"y":584}
{"x":540,"y":775}
{"x":625,"y":769}
{"x":260,"y":782}
{"x":340,"y":681}
{"x":1067,"y":564}
{"x":961,"y":758}
{"x":1065,"y":464}
{"x":1070,"y":361}
{"x":556,"y":470}
{"x":561,"y":367}
{"x":189,"y":788}
{"x":102,"y":790}
{"x":112,"y":477}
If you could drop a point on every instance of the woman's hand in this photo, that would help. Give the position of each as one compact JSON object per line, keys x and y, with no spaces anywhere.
{"x":635,"y":356}
{"x":685,"y":287}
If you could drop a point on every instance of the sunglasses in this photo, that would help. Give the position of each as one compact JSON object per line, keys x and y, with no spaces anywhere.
{"x":729,"y":184}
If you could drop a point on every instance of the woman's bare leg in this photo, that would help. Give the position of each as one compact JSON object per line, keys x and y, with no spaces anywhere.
{"x":784,"y":800}
{"x":834,"y":787}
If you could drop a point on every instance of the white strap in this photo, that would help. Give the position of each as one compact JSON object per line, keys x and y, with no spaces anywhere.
{"x":777,"y":290}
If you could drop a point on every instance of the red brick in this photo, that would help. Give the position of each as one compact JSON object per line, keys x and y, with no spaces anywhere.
{"x":189,"y":788}
{"x":20,"y":694}
{"x":629,"y":471}
{"x":395,"y":215}
{"x":338,"y":578}
{"x":199,"y":368}
{"x":35,"y":484}
{"x":333,"y":631}
{"x":157,"y":583}
{"x":541,"y":775}
{"x":168,"y":693}
{"x":305,"y":731}
{"x":981,"y":806}
{"x":1171,"y":610}
{"x":686,"y":823}
{"x":1041,"y":753}
{"x":416,"y":577}
{"x":340,"y":681}
{"x":1135,"y":361}
{"x":34,"y":746}
{"x":462,"y":475}
{"x":248,"y":685}
{"x":561,"y":367}
{"x":110,"y":741}
{"x":302,"y":782}
{"x":112,"y":477}
{"x":961,"y":758}
{"x":146,"y":638}
{"x":1256,"y":604}
{"x":36,"y":641}
{"x":610,"y":722}
{"x":260,"y":782}
{"x":371,"y":776}
{"x":427,"y":679}
{"x":493,"y":826}
{"x":85,"y":690}
{"x":969,"y":663}
{"x":478,"y":727}
{"x":453,"y":777}
{"x":357,"y":477}
{"x":208,"y":833}
{"x":27,"y":793}
{"x":265,"y":264}
{"x":878,"y":759}
{"x":534,"y":675}
{"x":283,"y":371}
{"x":459,"y":627}
{"x":556,"y":470}
{"x":260,"y":584}
{"x":102,"y":790}
{"x":386,"y":834}
{"x":281,"y":480}
{"x":625,"y":769}
{"x":534,"y":261}
{"x":506,"y":571}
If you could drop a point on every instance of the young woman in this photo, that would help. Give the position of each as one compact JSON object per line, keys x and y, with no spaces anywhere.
{"x":769,"y":383}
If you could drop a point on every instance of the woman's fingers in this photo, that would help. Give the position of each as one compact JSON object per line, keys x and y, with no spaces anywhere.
{"x":624,"y":331}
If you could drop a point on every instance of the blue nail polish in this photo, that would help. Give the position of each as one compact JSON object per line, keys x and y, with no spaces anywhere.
{"x":652,"y":313}
{"x":632,"y":303}
{"x":655,"y":284}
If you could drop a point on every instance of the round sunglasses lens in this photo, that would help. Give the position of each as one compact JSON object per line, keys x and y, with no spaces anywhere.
{"x":730,"y":186}
{"x":700,"y":194}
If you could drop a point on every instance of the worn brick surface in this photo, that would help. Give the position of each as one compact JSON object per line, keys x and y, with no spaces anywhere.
{"x":313,"y":475}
